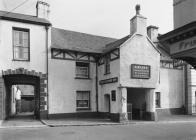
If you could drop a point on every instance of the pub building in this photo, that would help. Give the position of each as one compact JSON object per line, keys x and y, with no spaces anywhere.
{"x":181,"y":45}
{"x":78,"y":75}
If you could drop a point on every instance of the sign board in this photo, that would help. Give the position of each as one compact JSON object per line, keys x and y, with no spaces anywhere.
{"x":184,"y":45}
{"x":178,"y":63}
{"x":140,"y":71}
{"x":107,"y":81}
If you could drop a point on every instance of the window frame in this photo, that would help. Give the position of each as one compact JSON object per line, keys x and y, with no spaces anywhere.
{"x":13,"y":45}
{"x":88,"y":73}
{"x":107,"y":64}
{"x":89,"y":101}
{"x":158,"y":100}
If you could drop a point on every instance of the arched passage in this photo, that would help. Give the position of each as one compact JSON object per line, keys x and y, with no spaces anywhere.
{"x":22,"y":76}
{"x":21,"y":79}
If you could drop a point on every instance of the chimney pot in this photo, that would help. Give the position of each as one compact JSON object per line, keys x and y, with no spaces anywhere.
{"x":137,"y":8}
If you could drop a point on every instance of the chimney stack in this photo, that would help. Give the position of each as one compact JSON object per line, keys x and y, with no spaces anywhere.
{"x":138,"y":22}
{"x":152,"y":32}
{"x":42,"y":9}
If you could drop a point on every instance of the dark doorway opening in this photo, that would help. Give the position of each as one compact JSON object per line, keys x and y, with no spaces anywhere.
{"x":22,"y":96}
{"x":107,"y":105}
{"x":136,"y":103}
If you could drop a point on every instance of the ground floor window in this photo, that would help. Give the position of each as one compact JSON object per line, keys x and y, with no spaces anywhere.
{"x":83,"y":100}
{"x":158,"y":100}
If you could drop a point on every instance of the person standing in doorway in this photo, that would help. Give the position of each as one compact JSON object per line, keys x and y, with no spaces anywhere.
{"x":18,"y":100}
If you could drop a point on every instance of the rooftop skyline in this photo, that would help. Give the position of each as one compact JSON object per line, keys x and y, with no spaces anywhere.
{"x":100,"y":17}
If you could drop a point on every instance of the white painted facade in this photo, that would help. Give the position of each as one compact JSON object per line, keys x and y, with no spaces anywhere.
{"x":63,"y":86}
{"x":171,"y":87}
{"x":37,"y":47}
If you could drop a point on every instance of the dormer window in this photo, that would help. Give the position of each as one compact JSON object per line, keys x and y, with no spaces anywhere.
{"x":21,"y":44}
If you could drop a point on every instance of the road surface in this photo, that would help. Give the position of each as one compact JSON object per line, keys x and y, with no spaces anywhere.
{"x":170,"y":131}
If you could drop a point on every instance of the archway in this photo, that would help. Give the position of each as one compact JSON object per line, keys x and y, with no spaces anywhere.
{"x":19,"y":79}
{"x":23,"y":76}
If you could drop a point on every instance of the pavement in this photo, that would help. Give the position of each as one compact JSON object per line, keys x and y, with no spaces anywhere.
{"x":30,"y":122}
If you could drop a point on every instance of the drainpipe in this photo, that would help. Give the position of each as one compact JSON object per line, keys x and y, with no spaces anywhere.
{"x":96,"y":86}
{"x":186,"y":87}
{"x":47,"y":27}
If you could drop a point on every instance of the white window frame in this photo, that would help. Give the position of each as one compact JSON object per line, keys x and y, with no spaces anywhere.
{"x":21,"y":45}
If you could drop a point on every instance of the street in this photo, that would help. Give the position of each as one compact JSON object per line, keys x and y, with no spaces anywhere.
{"x":150,"y":131}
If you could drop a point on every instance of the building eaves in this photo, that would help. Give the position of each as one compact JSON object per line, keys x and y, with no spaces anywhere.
{"x":23,"y":18}
{"x":172,"y":33}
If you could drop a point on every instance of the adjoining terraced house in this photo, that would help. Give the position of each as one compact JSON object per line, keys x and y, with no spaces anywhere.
{"x":81,"y":75}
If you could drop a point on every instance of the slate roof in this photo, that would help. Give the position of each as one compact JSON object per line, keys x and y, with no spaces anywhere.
{"x":75,"y":41}
{"x":115,"y":44}
{"x":23,"y":18}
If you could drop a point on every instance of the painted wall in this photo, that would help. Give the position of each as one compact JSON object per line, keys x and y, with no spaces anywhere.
{"x":171,"y":88}
{"x":37,"y":47}
{"x":184,"y":12}
{"x":63,"y":86}
{"x":138,"y":50}
{"x":107,"y":88}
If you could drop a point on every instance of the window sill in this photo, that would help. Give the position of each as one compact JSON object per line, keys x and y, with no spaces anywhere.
{"x":21,"y":60}
{"x":83,"y":109}
{"x":158,"y":108}
{"x":107,"y":73}
{"x":82,"y":78}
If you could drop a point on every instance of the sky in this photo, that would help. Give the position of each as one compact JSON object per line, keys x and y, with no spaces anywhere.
{"x":109,"y":18}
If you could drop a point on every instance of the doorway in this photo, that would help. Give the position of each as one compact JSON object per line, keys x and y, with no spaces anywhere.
{"x":107,"y":104}
{"x":136,"y":103}
{"x":22,"y":96}
{"x":22,"y":100}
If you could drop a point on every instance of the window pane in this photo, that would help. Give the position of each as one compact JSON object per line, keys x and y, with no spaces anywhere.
{"x":82,"y":103}
{"x":82,"y":72}
{"x":16,"y":38}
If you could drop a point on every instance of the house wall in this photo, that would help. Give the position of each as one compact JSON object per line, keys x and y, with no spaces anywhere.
{"x":63,"y":86}
{"x":171,"y":88}
{"x":37,"y":47}
{"x":107,"y":88}
{"x":139,"y":50}
{"x":37,"y":61}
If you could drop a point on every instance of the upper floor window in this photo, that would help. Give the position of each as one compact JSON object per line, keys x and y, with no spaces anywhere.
{"x":21,"y":44}
{"x":107,"y":64}
{"x":82,"y":70}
